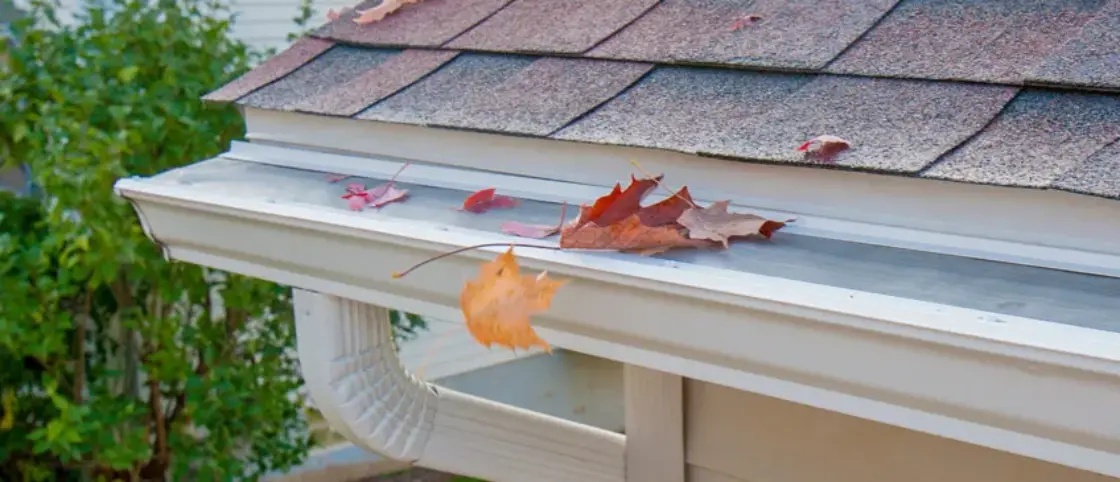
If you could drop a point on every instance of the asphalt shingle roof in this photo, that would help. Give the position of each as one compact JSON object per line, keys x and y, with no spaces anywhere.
{"x":1010,"y":92}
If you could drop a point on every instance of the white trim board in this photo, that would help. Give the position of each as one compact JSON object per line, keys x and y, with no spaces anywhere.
{"x":1024,"y":386}
{"x":1044,"y":228}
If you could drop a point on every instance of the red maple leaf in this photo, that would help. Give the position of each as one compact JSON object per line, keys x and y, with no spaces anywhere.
{"x":619,"y":203}
{"x":486,"y":199}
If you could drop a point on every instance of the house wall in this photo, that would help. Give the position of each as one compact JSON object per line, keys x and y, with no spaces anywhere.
{"x":735,"y":436}
{"x":260,"y":23}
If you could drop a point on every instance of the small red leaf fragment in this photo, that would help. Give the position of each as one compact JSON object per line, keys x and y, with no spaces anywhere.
{"x":536,"y":231}
{"x":486,"y":199}
{"x":823,"y":148}
{"x":744,"y":21}
{"x":332,"y":15}
{"x":357,"y":196}
{"x":388,"y":195}
{"x":333,"y":178}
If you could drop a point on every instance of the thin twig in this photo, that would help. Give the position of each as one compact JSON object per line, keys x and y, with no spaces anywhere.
{"x":563,"y":216}
{"x":662,"y":186}
{"x":404,"y":273}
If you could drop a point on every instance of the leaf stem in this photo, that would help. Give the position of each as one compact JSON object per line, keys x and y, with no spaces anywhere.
{"x":404,"y":273}
{"x":662,"y":186}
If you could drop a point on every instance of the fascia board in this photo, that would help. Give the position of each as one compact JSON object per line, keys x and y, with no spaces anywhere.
{"x":1051,"y":229}
{"x":1030,"y":387}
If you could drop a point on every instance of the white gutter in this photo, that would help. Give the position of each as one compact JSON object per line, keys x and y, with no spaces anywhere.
{"x":1031,"y":387}
{"x":357,"y":382}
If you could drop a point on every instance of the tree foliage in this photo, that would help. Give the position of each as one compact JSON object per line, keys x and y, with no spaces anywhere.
{"x":114,"y":363}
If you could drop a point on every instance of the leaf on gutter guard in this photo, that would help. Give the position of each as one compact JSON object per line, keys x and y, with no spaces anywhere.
{"x":485,"y":200}
{"x":618,"y":221}
{"x":498,"y":303}
{"x":536,"y":231}
{"x":358,"y":196}
{"x":714,"y":223}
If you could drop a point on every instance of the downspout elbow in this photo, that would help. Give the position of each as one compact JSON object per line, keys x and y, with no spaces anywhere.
{"x":351,"y":368}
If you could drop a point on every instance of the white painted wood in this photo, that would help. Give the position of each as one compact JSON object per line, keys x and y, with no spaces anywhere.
{"x":703,"y":474}
{"x":1025,"y":386}
{"x":755,"y":438}
{"x":353,"y":374}
{"x":654,"y":425}
{"x":984,"y":222}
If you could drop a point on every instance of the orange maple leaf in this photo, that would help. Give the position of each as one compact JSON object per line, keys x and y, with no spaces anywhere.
{"x":714,"y":223}
{"x":498,"y":303}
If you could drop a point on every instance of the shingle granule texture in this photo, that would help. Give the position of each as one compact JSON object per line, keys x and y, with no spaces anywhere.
{"x":444,"y":97}
{"x":551,"y":26}
{"x":508,"y":93}
{"x":1099,"y":175}
{"x":690,"y":110}
{"x":893,"y":125}
{"x":426,"y":24}
{"x":985,"y":41}
{"x":336,"y":67}
{"x":1037,"y":139}
{"x":299,"y":53}
{"x":381,"y":79}
{"x":1091,"y":59}
{"x":798,"y":34}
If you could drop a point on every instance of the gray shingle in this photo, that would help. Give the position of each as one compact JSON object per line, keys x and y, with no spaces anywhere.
{"x":426,"y":24}
{"x":893,"y":125}
{"x":684,"y":109}
{"x":381,"y":79}
{"x":1099,"y":175}
{"x":551,"y":26}
{"x":300,"y":52}
{"x":336,"y":67}
{"x":444,"y":96}
{"x":1038,"y":138}
{"x":987,"y":41}
{"x":1091,"y":59}
{"x":794,"y":34}
{"x":508,"y":93}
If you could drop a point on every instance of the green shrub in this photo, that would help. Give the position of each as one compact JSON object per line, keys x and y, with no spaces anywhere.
{"x":114,"y":363}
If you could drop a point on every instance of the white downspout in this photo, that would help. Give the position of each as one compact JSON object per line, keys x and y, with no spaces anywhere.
{"x":355,"y":378}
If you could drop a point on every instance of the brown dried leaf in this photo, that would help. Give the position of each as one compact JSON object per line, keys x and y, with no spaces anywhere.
{"x":668,"y":210}
{"x":716,"y":224}
{"x":626,"y":235}
{"x":824,"y":148}
{"x":379,"y":12}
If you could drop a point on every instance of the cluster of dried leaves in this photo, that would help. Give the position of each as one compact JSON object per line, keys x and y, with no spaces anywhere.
{"x":498,"y":303}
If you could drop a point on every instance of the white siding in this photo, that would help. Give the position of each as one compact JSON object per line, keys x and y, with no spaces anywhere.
{"x":267,"y":23}
{"x":260,"y":23}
